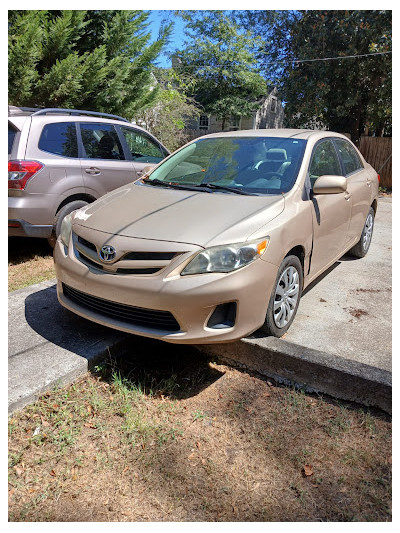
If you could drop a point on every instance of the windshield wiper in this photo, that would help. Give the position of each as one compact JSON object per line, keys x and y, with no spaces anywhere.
{"x":236,"y":190}
{"x":175,"y":185}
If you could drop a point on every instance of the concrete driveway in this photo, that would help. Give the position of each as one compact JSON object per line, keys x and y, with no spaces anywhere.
{"x":348,"y":312}
{"x":339,"y":343}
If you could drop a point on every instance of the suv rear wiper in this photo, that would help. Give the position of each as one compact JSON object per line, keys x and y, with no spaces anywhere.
{"x":173,"y":185}
{"x":235,"y":190}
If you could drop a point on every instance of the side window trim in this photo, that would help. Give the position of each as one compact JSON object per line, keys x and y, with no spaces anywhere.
{"x":81,"y":148}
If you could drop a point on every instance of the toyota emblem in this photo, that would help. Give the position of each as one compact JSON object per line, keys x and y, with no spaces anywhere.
{"x":107,"y":253}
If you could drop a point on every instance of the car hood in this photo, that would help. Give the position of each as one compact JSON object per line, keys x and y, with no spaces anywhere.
{"x":200,"y":218}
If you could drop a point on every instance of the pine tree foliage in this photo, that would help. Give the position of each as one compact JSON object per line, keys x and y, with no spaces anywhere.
{"x":94,"y":60}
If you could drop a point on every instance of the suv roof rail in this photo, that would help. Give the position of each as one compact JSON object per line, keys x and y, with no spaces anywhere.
{"x":14,"y":110}
{"x":49,"y":110}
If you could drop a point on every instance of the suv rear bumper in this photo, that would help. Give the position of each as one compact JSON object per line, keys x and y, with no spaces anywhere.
{"x":20,"y":228}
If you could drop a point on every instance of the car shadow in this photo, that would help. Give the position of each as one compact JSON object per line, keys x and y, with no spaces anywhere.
{"x":169,"y":369}
{"x":22,"y":249}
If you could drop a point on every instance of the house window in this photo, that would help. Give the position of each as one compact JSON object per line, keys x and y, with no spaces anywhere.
{"x":235,"y":123}
{"x":273,"y":104}
{"x":203,"y":122}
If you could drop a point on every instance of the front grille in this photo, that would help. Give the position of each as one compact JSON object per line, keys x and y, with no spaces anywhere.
{"x":151,"y":262}
{"x":138,"y":316}
{"x":86,"y":243}
{"x":149,"y":256}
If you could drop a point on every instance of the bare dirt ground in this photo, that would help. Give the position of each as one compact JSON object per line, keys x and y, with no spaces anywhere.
{"x":174,"y":437}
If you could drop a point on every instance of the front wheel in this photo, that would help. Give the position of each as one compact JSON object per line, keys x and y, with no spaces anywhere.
{"x":362,"y":247}
{"x":285,"y":298}
{"x":64,"y":211}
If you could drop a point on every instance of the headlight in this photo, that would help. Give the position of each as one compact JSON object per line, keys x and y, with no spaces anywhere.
{"x":226,"y":258}
{"x":66,"y":228}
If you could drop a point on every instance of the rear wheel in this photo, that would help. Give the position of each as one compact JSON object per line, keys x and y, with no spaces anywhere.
{"x":285,"y":297}
{"x":362,"y":247}
{"x":64,"y":211}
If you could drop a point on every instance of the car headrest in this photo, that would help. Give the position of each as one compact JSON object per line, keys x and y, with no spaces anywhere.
{"x":276,"y":154}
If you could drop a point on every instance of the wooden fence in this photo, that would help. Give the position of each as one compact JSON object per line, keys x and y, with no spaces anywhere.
{"x":377,"y":151}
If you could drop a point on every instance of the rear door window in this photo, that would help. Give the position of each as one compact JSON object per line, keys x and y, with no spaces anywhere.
{"x":59,"y":138}
{"x":142,"y":148}
{"x":101,"y":141}
{"x":350,"y":158}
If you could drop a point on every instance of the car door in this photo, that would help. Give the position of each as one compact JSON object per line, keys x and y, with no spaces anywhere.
{"x":331,"y":212}
{"x":104,"y":163}
{"x":358,"y":186}
{"x":144,"y":150}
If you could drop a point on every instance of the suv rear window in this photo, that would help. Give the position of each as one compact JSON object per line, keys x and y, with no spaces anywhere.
{"x":59,"y":138}
{"x":12,"y":132}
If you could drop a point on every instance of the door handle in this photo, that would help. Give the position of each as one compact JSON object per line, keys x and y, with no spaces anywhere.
{"x":347,"y":195}
{"x":369,"y":183}
{"x":93,"y":171}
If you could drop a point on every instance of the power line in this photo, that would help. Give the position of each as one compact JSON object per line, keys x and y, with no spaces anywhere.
{"x":339,"y":57}
{"x":297,"y":61}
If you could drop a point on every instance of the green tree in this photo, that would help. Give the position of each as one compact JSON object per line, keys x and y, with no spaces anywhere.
{"x":221,"y":57}
{"x":167,"y":118}
{"x":95,"y":60}
{"x":344,"y":94}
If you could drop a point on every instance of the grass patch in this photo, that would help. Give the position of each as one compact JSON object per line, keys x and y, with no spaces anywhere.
{"x":30,"y":261}
{"x":180,"y":439}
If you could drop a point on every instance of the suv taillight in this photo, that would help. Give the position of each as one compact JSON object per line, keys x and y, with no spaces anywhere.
{"x":20,"y":171}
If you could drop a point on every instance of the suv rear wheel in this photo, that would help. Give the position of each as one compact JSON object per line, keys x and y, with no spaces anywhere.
{"x":64,"y":211}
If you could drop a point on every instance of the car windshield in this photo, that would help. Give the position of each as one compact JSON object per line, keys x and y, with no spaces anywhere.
{"x":244,"y":165}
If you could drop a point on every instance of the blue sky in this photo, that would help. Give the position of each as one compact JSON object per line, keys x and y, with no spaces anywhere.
{"x":177,"y":36}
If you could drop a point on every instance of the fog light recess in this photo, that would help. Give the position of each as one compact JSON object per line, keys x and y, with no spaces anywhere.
{"x":224,"y":316}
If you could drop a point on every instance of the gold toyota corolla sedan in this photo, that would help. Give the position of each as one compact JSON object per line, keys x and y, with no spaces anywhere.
{"x":221,"y":238}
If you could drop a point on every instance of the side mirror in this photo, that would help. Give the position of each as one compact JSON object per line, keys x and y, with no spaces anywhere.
{"x":330,"y":185}
{"x":147,"y":169}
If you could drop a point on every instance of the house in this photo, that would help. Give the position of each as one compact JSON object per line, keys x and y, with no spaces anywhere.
{"x":269,"y":114}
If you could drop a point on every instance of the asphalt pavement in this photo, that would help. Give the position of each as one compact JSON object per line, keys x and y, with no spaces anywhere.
{"x":339,"y":343}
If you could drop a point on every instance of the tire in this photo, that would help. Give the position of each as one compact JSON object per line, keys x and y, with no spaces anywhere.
{"x":64,"y":211}
{"x":288,"y":285}
{"x":362,"y":247}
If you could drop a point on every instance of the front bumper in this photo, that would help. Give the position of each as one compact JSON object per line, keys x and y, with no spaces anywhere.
{"x":190,"y":299}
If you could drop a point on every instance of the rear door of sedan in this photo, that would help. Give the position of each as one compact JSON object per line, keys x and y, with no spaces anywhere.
{"x":358,"y":186}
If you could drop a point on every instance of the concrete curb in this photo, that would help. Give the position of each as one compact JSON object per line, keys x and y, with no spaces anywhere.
{"x":44,"y":354}
{"x":50,"y":347}
{"x":313,"y":370}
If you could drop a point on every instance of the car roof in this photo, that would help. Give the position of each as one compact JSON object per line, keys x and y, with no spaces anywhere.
{"x":279,"y":132}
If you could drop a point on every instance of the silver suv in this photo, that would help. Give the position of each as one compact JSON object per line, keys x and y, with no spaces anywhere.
{"x":62,"y":159}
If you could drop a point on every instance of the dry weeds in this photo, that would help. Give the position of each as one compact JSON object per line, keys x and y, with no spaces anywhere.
{"x":184,"y":439}
{"x":29,"y":261}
